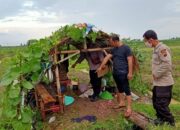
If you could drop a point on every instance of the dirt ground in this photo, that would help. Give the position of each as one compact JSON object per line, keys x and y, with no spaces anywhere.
{"x":102,"y":109}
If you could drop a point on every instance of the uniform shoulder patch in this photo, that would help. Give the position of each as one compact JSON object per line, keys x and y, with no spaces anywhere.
{"x":164,"y":52}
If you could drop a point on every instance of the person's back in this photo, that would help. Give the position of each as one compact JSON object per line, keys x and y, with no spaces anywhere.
{"x":94,"y":59}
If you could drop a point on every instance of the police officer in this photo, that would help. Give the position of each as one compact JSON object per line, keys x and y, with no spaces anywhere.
{"x":162,"y":78}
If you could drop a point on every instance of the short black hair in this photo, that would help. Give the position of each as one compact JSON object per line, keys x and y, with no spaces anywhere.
{"x":150,"y":34}
{"x":115,"y":37}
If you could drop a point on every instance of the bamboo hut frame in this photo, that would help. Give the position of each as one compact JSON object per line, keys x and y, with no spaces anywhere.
{"x":56,"y":63}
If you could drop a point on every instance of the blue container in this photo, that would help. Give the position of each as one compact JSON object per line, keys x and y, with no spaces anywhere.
{"x":68,"y":100}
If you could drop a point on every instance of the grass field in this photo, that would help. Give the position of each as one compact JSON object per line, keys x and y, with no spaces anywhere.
{"x":5,"y":54}
{"x":146,"y":67}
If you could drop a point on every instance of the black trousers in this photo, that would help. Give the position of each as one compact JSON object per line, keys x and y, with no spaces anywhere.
{"x":161,"y":99}
{"x":95,"y":82}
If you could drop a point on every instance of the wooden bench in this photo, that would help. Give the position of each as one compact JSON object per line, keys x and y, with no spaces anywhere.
{"x":44,"y":101}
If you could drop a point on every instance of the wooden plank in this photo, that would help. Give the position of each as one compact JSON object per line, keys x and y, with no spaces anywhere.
{"x":43,"y":93}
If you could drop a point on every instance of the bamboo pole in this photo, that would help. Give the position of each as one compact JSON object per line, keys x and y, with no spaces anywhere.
{"x":67,"y":52}
{"x":83,"y":50}
{"x":67,"y":57}
{"x":85,"y":45}
{"x":58,"y":82}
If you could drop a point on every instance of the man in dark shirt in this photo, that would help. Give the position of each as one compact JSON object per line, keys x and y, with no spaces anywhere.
{"x":122,"y":70}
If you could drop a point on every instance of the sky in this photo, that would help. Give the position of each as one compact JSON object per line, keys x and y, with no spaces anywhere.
{"x":21,"y":20}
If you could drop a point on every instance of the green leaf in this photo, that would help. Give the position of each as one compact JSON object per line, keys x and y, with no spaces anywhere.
{"x":27,"y":85}
{"x":37,"y":52}
{"x":9,"y":112}
{"x":25,"y":68}
{"x":15,"y":72}
{"x":14,"y":92}
{"x":93,"y":36}
{"x":35,"y":65}
{"x":39,"y":125}
{"x":35,"y":77}
{"x":27,"y":115}
{"x":0,"y":112}
{"x":15,"y":101}
{"x":32,"y":65}
{"x":19,"y":125}
{"x":76,"y":34}
{"x":6,"y":81}
{"x":27,"y":54}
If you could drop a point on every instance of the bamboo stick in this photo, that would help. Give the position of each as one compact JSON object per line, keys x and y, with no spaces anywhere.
{"x":58,"y":82}
{"x":85,"y":45}
{"x":68,"y":57}
{"x":83,"y":50}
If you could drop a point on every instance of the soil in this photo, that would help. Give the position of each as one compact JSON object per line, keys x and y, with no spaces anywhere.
{"x":102,"y":109}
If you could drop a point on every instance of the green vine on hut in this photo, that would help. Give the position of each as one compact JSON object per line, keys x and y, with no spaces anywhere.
{"x":25,"y":72}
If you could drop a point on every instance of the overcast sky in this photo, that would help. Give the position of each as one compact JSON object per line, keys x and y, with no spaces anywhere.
{"x":21,"y":20}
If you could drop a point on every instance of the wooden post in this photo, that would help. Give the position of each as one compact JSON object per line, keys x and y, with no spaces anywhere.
{"x":60,"y":96}
{"x":85,"y":45}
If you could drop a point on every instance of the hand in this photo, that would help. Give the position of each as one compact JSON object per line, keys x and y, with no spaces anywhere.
{"x":98,"y":69}
{"x":103,"y":67}
{"x":129,"y":76}
{"x":154,"y":77}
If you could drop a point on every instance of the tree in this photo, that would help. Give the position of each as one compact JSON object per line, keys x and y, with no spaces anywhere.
{"x":31,"y":41}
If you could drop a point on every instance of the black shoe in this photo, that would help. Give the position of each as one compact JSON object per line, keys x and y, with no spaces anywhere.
{"x":90,"y":96}
{"x":158,"y":121}
{"x":171,"y":123}
{"x":94,"y":98}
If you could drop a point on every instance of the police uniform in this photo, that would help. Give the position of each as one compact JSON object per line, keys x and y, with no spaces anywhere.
{"x":162,"y":82}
